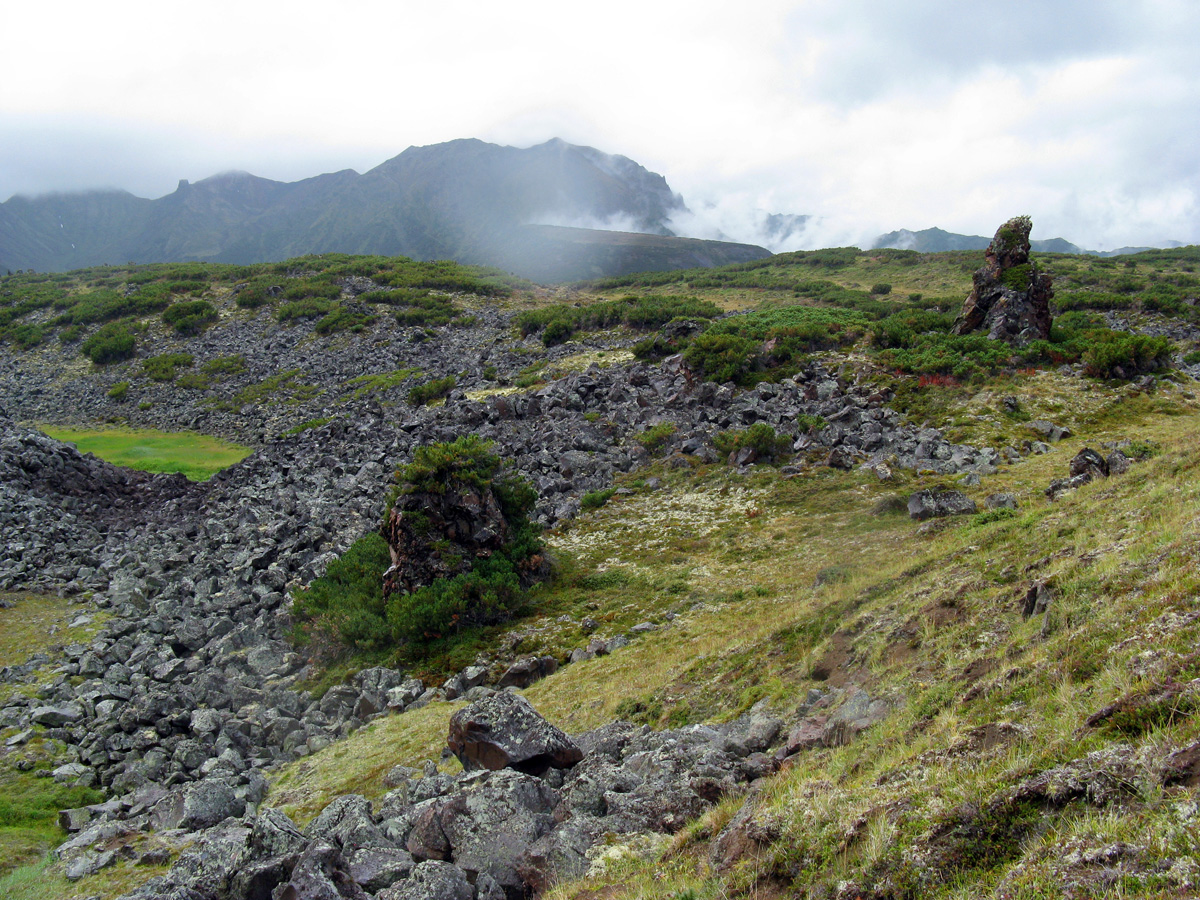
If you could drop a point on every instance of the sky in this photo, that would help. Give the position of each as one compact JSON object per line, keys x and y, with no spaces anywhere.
{"x":869,"y":115}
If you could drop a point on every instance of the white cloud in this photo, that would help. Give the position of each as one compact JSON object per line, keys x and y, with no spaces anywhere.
{"x":866,"y":114}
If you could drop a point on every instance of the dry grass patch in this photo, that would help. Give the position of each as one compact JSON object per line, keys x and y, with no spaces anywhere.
{"x":41,"y":623}
{"x":357,"y":763}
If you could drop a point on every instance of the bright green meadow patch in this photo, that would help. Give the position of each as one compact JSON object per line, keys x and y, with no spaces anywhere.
{"x":196,"y":456}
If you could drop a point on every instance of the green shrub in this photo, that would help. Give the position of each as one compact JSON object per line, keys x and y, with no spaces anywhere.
{"x":903,"y":328}
{"x":190,"y":316}
{"x":193,"y":381}
{"x":311,"y":289}
{"x":305,"y":426}
{"x":807,"y":422}
{"x":224,"y":366}
{"x":723,"y":357}
{"x":119,"y":390}
{"x":111,"y":343}
{"x":343,"y":319}
{"x":657,"y":347}
{"x":596,"y":499}
{"x":1065,"y":301}
{"x":163,"y":367}
{"x":424,"y":394}
{"x":559,"y":323}
{"x":882,"y":289}
{"x":365,"y":385}
{"x":1018,"y":277}
{"x":252,"y":296}
{"x":759,"y":437}
{"x":107,"y":304}
{"x":282,"y":387}
{"x":347,"y":603}
{"x":654,"y":437}
{"x":959,"y":356}
{"x":770,"y":343}
{"x":24,"y":336}
{"x":1126,"y":355}
{"x":490,"y":590}
{"x":309,"y":308}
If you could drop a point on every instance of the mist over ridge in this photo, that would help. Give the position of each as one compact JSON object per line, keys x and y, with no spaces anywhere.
{"x":551,"y":212}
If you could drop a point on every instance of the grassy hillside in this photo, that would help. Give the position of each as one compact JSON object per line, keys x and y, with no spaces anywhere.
{"x":1017,"y":754}
{"x":985,"y":777}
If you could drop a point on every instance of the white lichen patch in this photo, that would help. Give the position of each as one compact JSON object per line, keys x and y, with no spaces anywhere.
{"x":657,"y":522}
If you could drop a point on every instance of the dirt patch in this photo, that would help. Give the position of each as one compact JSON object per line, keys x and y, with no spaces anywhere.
{"x":837,"y":665}
{"x":978,"y":668}
{"x":1183,"y":766}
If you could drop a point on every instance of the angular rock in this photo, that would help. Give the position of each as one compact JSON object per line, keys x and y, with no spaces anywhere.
{"x":505,"y":731}
{"x":376,"y":868}
{"x":1090,"y":463}
{"x":1000,"y":501}
{"x":492,"y":823}
{"x":932,"y":504}
{"x":57,"y":716}
{"x":525,"y":672}
{"x":321,"y":874}
{"x":431,"y":880}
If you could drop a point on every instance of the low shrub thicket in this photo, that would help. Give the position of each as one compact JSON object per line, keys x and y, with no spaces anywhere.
{"x":654,"y":437}
{"x":424,"y":394}
{"x":165,"y":366}
{"x":770,"y":344}
{"x":111,"y":343}
{"x":559,"y":323}
{"x":344,"y":319}
{"x":190,"y":316}
{"x":759,"y":437}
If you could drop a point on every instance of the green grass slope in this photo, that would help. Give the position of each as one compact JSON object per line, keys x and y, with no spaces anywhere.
{"x":1021,"y":756}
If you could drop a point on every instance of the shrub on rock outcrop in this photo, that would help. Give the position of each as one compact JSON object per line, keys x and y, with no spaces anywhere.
{"x":462,"y":546}
{"x":456,"y":550}
{"x":345,"y":606}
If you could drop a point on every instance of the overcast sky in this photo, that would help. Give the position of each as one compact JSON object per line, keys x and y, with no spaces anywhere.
{"x":872,"y":114}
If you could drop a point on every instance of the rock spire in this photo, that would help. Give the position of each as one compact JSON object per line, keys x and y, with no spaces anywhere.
{"x":1010,"y":299}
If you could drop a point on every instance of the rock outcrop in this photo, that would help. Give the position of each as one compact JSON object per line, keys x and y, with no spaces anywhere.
{"x":497,"y":833}
{"x":1010,"y":299}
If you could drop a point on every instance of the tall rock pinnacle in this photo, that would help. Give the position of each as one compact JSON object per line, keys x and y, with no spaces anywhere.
{"x":1011,"y":298}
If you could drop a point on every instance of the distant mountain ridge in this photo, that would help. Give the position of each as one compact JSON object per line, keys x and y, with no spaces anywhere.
{"x":935,"y":240}
{"x":465,"y":200}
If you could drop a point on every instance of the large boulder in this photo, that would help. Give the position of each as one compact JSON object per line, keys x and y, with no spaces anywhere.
{"x":505,"y":731}
{"x":936,"y":504}
{"x":1010,"y":299}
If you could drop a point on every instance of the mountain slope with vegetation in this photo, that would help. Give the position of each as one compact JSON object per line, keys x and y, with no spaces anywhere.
{"x":844,"y":700}
{"x":464,"y":200}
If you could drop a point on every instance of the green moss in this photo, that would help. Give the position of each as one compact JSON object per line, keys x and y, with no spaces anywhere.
{"x":1018,"y":278}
